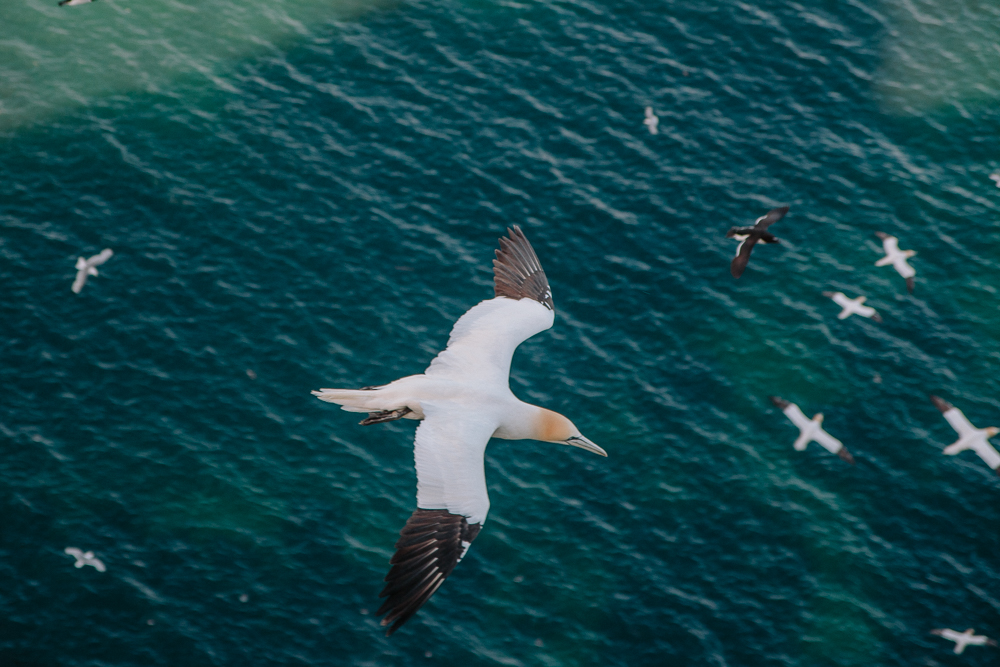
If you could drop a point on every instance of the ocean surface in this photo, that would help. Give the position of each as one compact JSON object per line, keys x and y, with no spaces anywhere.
{"x":308,"y":193}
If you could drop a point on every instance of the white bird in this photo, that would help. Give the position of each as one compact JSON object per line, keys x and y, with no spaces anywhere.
{"x":85,"y":558}
{"x":963,"y":639}
{"x":897,"y":257}
{"x":464,"y":399}
{"x":811,"y":429}
{"x":651,"y":121}
{"x":969,"y":437}
{"x":996,"y":178}
{"x":853,"y":306}
{"x":70,"y":3}
{"x":88,"y":267}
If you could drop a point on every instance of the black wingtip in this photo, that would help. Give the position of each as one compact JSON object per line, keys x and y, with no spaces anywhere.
{"x":882,"y":235}
{"x":780,"y":403}
{"x":941,"y":404}
{"x":910,"y":284}
{"x":517,"y":273}
{"x":846,"y":455}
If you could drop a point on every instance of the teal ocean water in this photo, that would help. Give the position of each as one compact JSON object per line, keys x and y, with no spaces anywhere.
{"x":312,"y":191}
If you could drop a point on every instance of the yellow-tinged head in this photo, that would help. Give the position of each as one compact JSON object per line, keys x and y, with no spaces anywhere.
{"x":553,"y":427}
{"x":992,"y":431}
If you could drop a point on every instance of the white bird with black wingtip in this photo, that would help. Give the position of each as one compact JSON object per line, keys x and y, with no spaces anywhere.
{"x":897,"y":257}
{"x":85,"y":558}
{"x":88,"y":267}
{"x":852,"y":306}
{"x":963,"y":639}
{"x":811,"y":430}
{"x":464,"y":399}
{"x":969,"y":437}
{"x":71,"y":3}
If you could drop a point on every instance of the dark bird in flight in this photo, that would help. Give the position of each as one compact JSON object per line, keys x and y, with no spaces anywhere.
{"x":749,"y":236}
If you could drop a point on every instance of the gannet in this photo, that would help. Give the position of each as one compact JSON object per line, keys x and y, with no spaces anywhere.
{"x":996,"y":178}
{"x":88,"y":267}
{"x":85,"y":558}
{"x":749,"y":236}
{"x":651,"y":121}
{"x":464,"y":399}
{"x":74,"y":2}
{"x":811,"y":429}
{"x":969,"y":437}
{"x":963,"y":639}
{"x":853,"y":306}
{"x":897,"y":257}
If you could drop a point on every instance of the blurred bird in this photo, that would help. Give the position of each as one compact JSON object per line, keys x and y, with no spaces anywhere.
{"x":963,"y":639}
{"x":811,"y":429}
{"x":88,"y":267}
{"x":85,"y":558}
{"x":996,"y":178}
{"x":70,"y":3}
{"x":969,"y":437}
{"x":749,"y":236}
{"x":897,"y":257}
{"x":651,"y":121}
{"x":464,"y":399}
{"x":852,"y":306}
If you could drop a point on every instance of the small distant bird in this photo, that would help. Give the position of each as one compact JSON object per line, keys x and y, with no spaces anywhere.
{"x":852,"y":306}
{"x":963,"y":639}
{"x":897,"y":257}
{"x":969,"y":437}
{"x":651,"y":121}
{"x":464,"y":399}
{"x":749,"y":236}
{"x":996,"y":178}
{"x":85,"y":558}
{"x":811,"y":429}
{"x":88,"y":267}
{"x":74,"y":2}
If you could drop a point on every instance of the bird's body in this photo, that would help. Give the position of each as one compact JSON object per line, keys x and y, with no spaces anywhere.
{"x":897,"y":258}
{"x":88,"y":267}
{"x":969,"y":437}
{"x":70,"y":3}
{"x":852,"y":306}
{"x":750,"y":236}
{"x":651,"y":121}
{"x":463,"y":399}
{"x":811,"y":430}
{"x":85,"y":558}
{"x":963,"y":639}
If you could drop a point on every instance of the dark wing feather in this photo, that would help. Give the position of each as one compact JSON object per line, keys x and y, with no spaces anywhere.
{"x":941,"y":404}
{"x":517,"y":273}
{"x":780,"y":403}
{"x":772,"y":217}
{"x":739,"y":263}
{"x":429,"y":547}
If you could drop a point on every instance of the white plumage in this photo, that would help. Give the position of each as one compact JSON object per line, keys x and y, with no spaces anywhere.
{"x":651,"y":121}
{"x":85,"y":558}
{"x":811,"y":430}
{"x":969,"y":437}
{"x":852,"y":306}
{"x":897,"y":258}
{"x":963,"y":639}
{"x":88,"y":267}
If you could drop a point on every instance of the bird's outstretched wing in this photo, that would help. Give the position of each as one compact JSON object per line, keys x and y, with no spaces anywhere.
{"x":101,"y":257}
{"x":517,"y":273}
{"x":428,"y":549}
{"x":453,"y":504}
{"x":79,"y":281}
{"x":483,"y":340}
{"x":739,"y":263}
{"x":74,"y":552}
{"x":828,"y":442}
{"x":791,"y":411}
{"x":772,"y":216}
{"x":954,"y":416}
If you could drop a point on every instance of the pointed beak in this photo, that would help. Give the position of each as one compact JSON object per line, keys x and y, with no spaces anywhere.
{"x":583,"y":443}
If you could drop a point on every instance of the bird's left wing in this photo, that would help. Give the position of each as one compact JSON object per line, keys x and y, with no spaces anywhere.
{"x":483,"y":340}
{"x":772,"y":216}
{"x":80,"y":281}
{"x":828,"y":442}
{"x":988,"y":454}
{"x":739,"y":263}
{"x":954,"y":416}
{"x":101,"y":257}
{"x":452,"y":504}
{"x":73,"y":551}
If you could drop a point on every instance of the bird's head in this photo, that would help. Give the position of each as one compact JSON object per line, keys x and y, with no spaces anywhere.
{"x":909,"y":253}
{"x":991,"y":431}
{"x":553,"y":427}
{"x":818,"y":417}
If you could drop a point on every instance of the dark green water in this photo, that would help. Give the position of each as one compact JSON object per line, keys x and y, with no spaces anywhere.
{"x":314,"y":191}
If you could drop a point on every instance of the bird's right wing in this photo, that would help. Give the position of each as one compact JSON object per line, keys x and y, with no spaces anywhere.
{"x":739,"y":263}
{"x":795,"y":414}
{"x":828,"y":442}
{"x":772,"y":216}
{"x":452,"y":504}
{"x":954,"y":416}
{"x":987,"y":453}
{"x":73,"y":551}
{"x":101,"y":257}
{"x":81,"y":280}
{"x":483,"y":340}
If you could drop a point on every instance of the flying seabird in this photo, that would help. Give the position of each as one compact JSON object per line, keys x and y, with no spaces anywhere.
{"x":996,"y":178}
{"x":88,"y":267}
{"x":811,"y":429}
{"x":70,"y":3}
{"x":651,"y":121}
{"x":897,"y":257}
{"x":963,"y":639}
{"x":464,"y":399}
{"x":969,"y":437}
{"x":85,"y":558}
{"x":852,"y":306}
{"x":749,"y":236}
